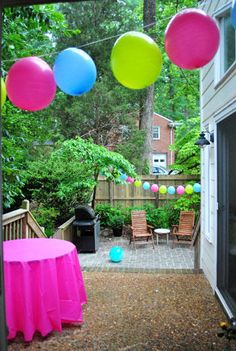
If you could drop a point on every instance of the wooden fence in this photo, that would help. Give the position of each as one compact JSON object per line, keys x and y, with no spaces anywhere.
{"x":129,"y":195}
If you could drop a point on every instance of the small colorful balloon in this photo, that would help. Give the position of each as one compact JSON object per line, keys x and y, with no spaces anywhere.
{"x":146,"y":186}
{"x":3,"y":92}
{"x":171,"y":190}
{"x":180,"y":190}
{"x":123,"y":176}
{"x":197,"y":188}
{"x":154,"y":188}
{"x":30,"y":84}
{"x":129,"y":179}
{"x":163,"y":189}
{"x":191,"y":39}
{"x":136,"y":60}
{"x":75,"y":72}
{"x":189,"y":189}
{"x":137,"y":183}
{"x":116,"y":254}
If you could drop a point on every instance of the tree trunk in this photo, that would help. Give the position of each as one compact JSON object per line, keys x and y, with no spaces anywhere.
{"x":146,"y":110}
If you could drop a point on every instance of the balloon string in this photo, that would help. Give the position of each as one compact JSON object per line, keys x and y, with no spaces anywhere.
{"x":91,"y":43}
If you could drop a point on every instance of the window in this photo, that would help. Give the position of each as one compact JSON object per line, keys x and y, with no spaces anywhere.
{"x":227,"y":52}
{"x":156,"y":132}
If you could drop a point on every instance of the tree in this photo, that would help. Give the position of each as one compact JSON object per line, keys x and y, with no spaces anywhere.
{"x":187,"y":154}
{"x":69,"y":175}
{"x":147,"y":98}
{"x":27,"y":31}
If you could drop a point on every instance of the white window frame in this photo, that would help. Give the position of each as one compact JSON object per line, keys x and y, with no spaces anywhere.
{"x":220,"y":74}
{"x":208,"y":153}
{"x":158,"y":130}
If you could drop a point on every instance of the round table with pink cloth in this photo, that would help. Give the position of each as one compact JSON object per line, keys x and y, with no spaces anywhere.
{"x":43,"y":286}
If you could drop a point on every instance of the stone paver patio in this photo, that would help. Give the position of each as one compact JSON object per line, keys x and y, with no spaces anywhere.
{"x":162,"y":259}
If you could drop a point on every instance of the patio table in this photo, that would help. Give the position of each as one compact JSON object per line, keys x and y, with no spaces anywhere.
{"x":43,"y":286}
{"x":162,"y":232}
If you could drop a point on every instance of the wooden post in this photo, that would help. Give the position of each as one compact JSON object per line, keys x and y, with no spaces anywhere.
{"x":25,"y":205}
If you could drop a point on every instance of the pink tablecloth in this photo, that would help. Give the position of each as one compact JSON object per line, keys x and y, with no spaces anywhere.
{"x":43,"y":286}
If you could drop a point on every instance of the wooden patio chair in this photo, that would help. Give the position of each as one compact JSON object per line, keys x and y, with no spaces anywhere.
{"x":183,"y":232}
{"x":141,"y":231}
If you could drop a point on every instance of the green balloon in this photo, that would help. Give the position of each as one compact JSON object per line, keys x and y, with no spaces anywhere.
{"x":3,"y":92}
{"x":163,"y":189}
{"x":136,"y":60}
{"x":189,"y":189}
{"x":137,"y":183}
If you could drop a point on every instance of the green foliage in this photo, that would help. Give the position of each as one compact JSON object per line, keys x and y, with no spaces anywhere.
{"x":116,"y":221}
{"x":188,"y":203}
{"x":69,"y":175}
{"x":46,"y":216}
{"x":107,"y":213}
{"x":177,"y":90}
{"x":162,"y":217}
{"x":187,"y":154}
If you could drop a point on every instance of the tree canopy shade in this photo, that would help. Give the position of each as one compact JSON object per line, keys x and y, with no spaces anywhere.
{"x":10,"y":3}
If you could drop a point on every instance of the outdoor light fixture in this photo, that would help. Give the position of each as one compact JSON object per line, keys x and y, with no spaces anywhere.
{"x":202,"y":141}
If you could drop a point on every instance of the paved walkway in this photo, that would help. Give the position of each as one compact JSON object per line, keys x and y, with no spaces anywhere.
{"x":162,"y":259}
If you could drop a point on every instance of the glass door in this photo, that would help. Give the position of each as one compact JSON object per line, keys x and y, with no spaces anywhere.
{"x":226,"y":243}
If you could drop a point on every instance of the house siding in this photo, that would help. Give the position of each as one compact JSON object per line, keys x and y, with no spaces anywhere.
{"x":161,"y":146}
{"x":215,"y":97}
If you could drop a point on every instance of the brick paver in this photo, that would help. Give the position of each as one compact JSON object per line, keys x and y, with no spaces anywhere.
{"x":162,"y":259}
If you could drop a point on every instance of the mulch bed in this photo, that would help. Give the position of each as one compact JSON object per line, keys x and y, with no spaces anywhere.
{"x":140,"y":312}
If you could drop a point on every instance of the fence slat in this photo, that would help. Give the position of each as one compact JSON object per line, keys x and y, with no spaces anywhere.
{"x":129,"y":195}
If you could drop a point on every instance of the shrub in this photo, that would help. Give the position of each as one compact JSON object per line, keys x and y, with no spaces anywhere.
{"x":46,"y":218}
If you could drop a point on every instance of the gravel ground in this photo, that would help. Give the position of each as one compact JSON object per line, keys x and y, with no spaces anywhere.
{"x":140,"y":312}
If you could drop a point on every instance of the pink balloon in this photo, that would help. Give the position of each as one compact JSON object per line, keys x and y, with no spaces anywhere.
{"x":30,"y":84}
{"x":154,"y":188}
{"x":191,"y":39}
{"x":129,"y":179}
{"x":180,"y":190}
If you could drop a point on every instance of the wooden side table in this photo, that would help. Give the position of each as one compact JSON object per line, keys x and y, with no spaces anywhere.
{"x":162,"y":232}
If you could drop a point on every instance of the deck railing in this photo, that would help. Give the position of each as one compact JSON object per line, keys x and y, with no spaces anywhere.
{"x":20,"y":224}
{"x":65,"y":231}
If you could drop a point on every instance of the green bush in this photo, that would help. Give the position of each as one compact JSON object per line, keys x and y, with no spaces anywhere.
{"x":46,"y":218}
{"x":107,"y":213}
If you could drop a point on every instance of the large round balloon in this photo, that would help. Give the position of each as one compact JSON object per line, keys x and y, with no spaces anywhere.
{"x":75,"y":72}
{"x":3,"y":92}
{"x":30,"y":84}
{"x":233,"y":14}
{"x":136,"y":60}
{"x":191,"y":39}
{"x":116,"y":254}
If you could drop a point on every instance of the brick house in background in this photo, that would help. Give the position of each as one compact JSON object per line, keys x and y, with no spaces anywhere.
{"x":162,"y":138}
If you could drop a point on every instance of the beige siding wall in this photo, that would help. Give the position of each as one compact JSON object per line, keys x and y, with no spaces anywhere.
{"x":215,"y":97}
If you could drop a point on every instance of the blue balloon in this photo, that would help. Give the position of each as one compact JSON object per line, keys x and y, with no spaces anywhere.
{"x":197,"y":188}
{"x":233,"y":14}
{"x":146,"y":186}
{"x":116,"y":254}
{"x":171,"y":190}
{"x":74,"y":71}
{"x":123,"y":176}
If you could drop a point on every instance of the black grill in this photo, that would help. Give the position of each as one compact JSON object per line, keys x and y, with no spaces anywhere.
{"x":86,"y":229}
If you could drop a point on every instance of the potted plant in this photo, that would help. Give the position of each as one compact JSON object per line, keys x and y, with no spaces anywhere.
{"x":116,"y":223}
